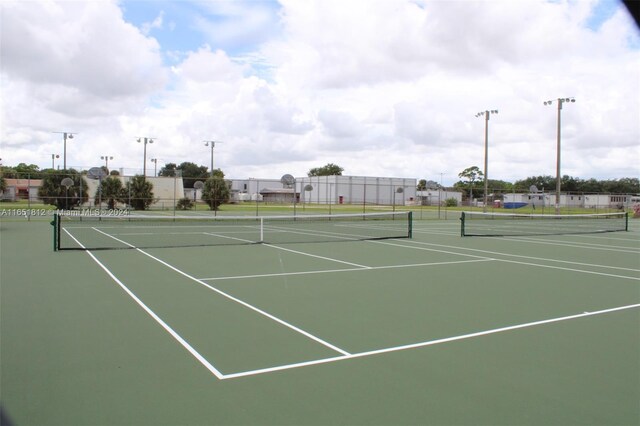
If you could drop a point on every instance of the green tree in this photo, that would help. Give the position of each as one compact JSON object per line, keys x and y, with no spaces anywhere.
{"x":472,"y":175}
{"x":191,"y":173}
{"x":422,"y":185}
{"x":111,"y":191}
{"x":52,"y":191}
{"x":3,"y":184}
{"x":28,"y":170}
{"x":499,"y":187}
{"x":215,"y":192}
{"x":139,"y":193}
{"x":328,"y":170}
{"x":168,"y":170}
{"x":23,"y":171}
{"x":592,"y":185}
{"x":622,"y":186}
{"x":540,"y":182}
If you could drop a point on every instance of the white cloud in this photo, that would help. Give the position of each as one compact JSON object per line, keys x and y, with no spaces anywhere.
{"x":379,"y":87}
{"x":83,"y":45}
{"x":237,"y":24}
{"x":157,"y":23}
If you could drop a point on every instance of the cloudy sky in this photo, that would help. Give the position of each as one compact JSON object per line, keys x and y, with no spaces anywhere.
{"x":379,"y":87}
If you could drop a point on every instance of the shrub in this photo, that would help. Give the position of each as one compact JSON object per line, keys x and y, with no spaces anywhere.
{"x":185,"y":203}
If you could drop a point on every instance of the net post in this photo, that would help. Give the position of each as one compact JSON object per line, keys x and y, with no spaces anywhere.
{"x":56,"y":232}
{"x":462,"y":224}
{"x":626,"y":221}
{"x":410,"y":224}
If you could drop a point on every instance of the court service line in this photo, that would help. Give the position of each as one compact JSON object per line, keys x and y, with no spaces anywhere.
{"x":429,"y":249}
{"x":579,"y":245}
{"x":427,"y":343}
{"x":600,"y":237}
{"x":235,"y":299}
{"x":329,"y":271}
{"x":153,"y":315}
{"x":584,"y":271}
{"x":544,"y":259}
{"x":317,"y":257}
{"x":292,"y":251}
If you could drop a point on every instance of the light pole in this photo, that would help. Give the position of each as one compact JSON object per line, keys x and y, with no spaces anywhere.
{"x":106,"y":159}
{"x":440,"y":195}
{"x":144,"y":160}
{"x":486,"y":115}
{"x":212,"y":144}
{"x":559,"y":101}
{"x":65,"y":136}
{"x":53,"y":160}
{"x":155,"y":166}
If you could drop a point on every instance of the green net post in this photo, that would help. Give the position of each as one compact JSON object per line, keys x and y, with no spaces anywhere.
{"x":626,"y":221}
{"x":410,"y":224}
{"x":462,"y":224}
{"x":56,"y":231}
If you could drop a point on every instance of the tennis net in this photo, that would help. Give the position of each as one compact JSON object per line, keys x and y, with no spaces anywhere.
{"x":506,"y":224}
{"x":73,"y":232}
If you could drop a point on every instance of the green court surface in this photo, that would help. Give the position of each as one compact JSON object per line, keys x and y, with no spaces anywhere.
{"x":437,"y":329}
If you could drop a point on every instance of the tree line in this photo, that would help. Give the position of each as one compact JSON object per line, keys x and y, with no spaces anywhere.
{"x":472,"y":182}
{"x":68,"y":189}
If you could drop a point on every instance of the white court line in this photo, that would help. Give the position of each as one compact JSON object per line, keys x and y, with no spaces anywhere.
{"x":345,"y":355}
{"x":292,"y":251}
{"x":583,"y":271}
{"x":153,"y":315}
{"x":328,"y":271}
{"x":318,"y":257}
{"x":600,"y":237}
{"x":235,"y":299}
{"x":544,"y":259}
{"x":427,"y":343}
{"x":578,"y":245}
{"x":428,"y":249}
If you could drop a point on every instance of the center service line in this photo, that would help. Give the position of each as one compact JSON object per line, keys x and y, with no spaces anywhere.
{"x":235,"y":299}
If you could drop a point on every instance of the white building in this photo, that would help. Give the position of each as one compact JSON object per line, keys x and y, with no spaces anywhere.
{"x":589,"y":201}
{"x":328,"y":190}
{"x":356,"y":190}
{"x":166,"y":190}
{"x":433,"y":197}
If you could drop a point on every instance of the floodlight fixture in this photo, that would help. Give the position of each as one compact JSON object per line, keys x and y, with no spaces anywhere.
{"x":106,"y":159}
{"x":65,"y":136}
{"x":144,"y":140}
{"x":212,"y":144}
{"x":155,"y":166}
{"x":560,"y":101}
{"x":486,"y":115}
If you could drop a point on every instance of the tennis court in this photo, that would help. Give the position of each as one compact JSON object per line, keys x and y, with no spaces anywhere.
{"x":433,"y":329}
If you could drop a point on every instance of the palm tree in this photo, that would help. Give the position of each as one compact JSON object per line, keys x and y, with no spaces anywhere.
{"x":111,"y":191}
{"x":139,"y":193}
{"x":53,"y":192}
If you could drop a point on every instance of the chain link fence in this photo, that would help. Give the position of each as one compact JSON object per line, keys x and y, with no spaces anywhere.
{"x":319,"y":195}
